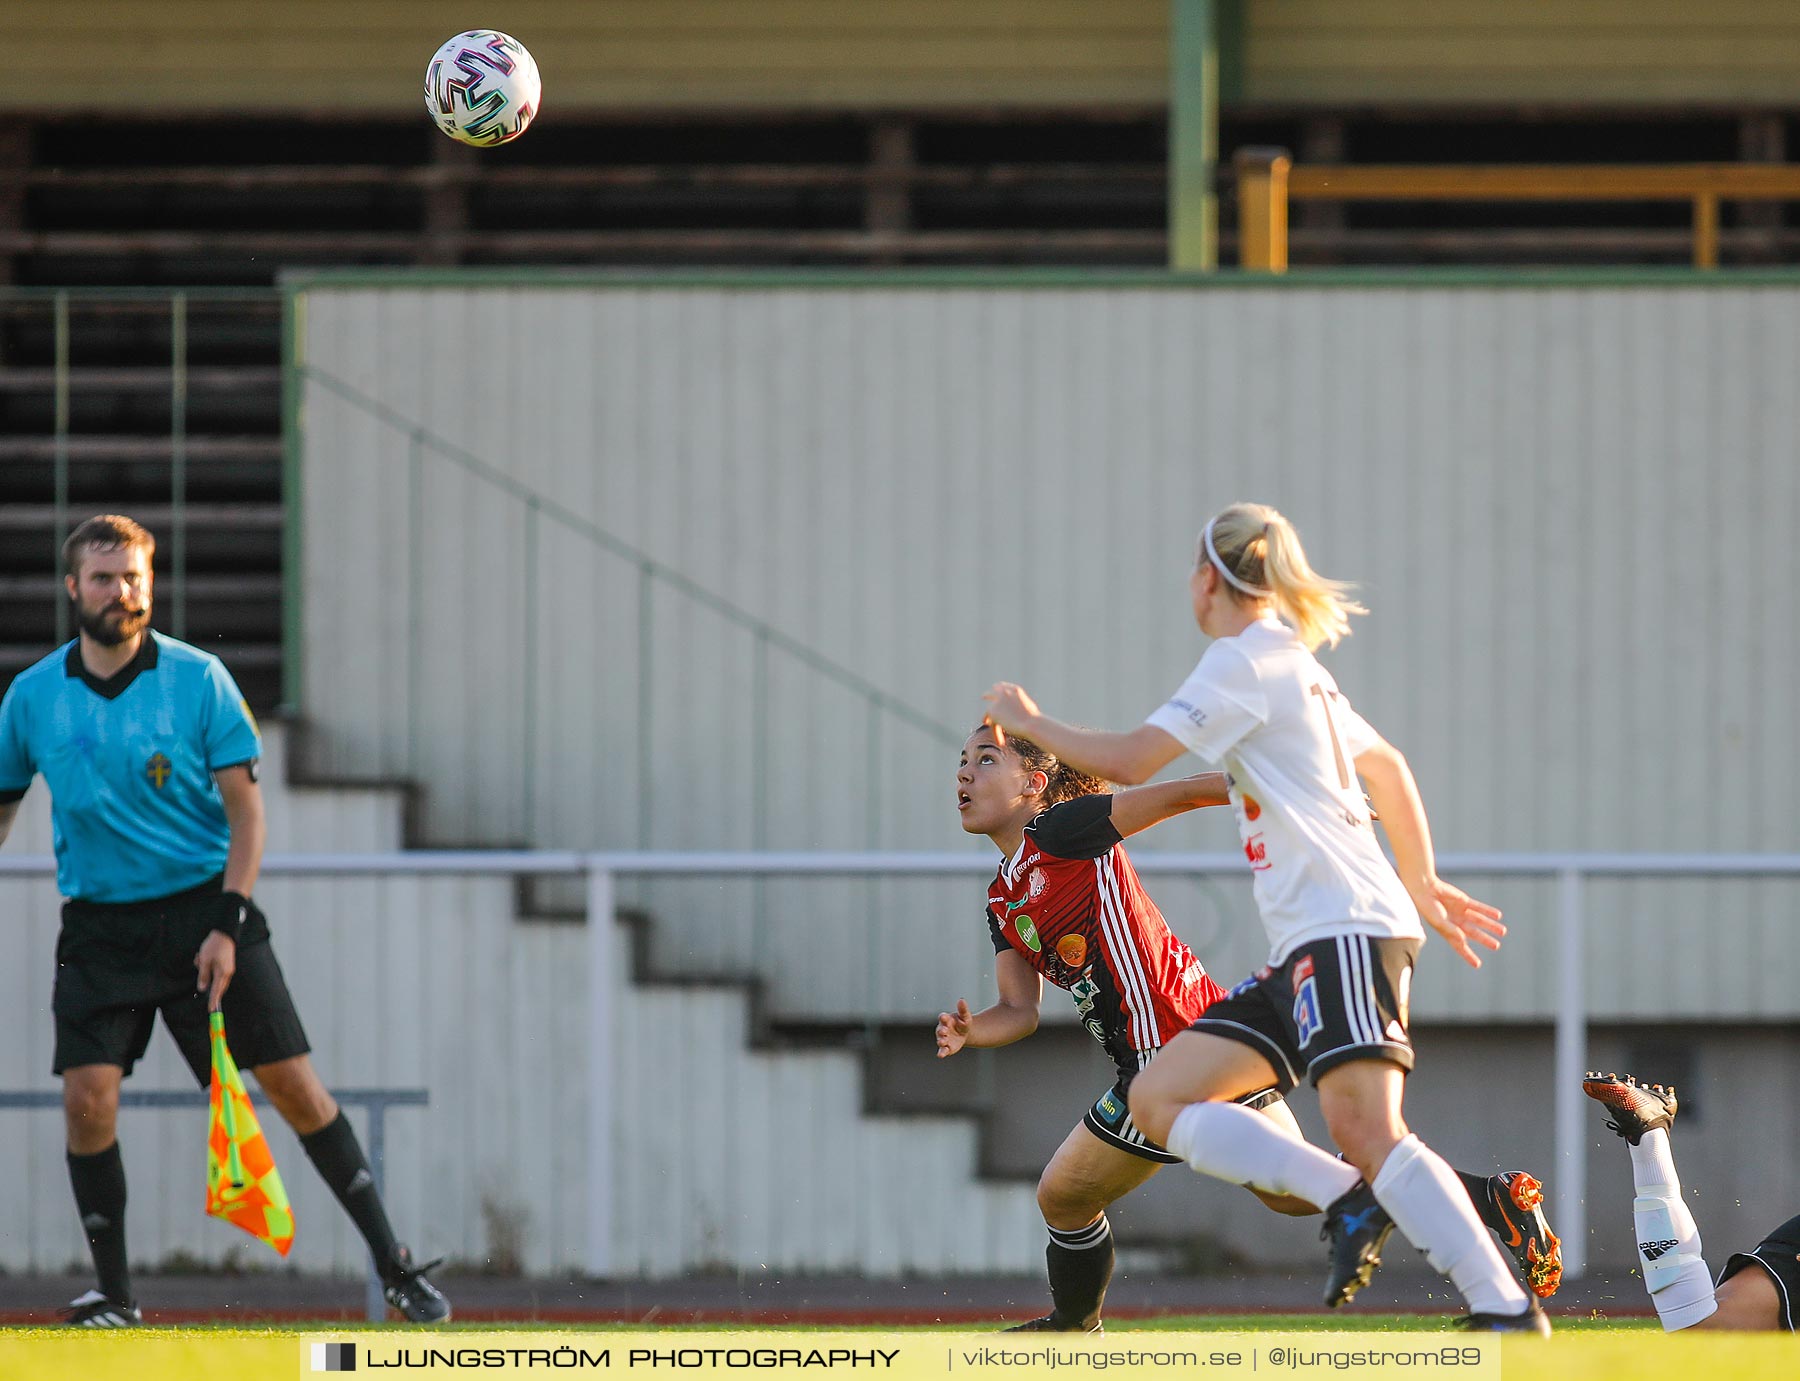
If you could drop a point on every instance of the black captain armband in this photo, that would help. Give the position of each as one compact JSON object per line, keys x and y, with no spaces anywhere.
{"x":233,"y":910}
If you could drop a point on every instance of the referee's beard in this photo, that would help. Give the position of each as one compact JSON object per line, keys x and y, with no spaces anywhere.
{"x":112,"y":623}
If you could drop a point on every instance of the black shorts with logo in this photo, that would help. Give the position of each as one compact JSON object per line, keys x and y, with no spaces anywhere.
{"x":118,"y":965}
{"x":1331,"y":1002}
{"x":1779,"y":1255}
{"x":1110,"y":1120}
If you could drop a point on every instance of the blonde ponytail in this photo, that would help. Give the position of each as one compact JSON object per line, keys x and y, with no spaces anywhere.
{"x":1259,"y":555}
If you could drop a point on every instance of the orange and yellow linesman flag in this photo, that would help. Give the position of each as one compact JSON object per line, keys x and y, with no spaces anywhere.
{"x":242,"y":1184}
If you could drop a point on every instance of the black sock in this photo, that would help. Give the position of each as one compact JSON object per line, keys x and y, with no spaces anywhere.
{"x":1081,"y":1267}
{"x":1481,"y":1194}
{"x":99,"y":1182}
{"x":338,"y":1157}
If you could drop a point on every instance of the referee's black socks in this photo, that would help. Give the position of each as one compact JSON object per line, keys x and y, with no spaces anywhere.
{"x":99,"y":1182}
{"x":339,"y":1158}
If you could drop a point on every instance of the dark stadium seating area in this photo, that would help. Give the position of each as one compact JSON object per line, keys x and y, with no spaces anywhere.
{"x":232,"y":201}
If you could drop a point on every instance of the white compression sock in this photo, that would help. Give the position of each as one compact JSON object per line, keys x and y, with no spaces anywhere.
{"x":1244,"y":1147}
{"x":1429,"y":1204}
{"x":1668,"y":1239}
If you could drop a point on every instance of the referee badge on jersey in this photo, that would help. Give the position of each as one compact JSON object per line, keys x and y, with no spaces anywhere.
{"x":159,"y":769}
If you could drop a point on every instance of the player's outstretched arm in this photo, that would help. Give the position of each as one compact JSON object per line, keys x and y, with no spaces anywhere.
{"x":1448,"y":910}
{"x":1131,"y":757}
{"x":1012,"y":1018}
{"x":1139,"y":807}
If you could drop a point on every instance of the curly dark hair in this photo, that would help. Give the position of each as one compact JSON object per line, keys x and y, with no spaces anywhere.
{"x":1065,"y":783}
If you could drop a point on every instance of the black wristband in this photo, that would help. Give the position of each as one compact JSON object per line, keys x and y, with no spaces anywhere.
{"x":234,"y":909}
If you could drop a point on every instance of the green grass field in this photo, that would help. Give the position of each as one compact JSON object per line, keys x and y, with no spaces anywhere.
{"x":1162,"y":1323}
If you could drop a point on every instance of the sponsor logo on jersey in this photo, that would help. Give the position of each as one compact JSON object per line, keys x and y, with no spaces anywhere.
{"x":1035,"y":883}
{"x":1084,"y":994}
{"x":1195,"y":715}
{"x":159,"y":769}
{"x":1654,"y":1251}
{"x":1085,"y":991}
{"x":1257,"y":852}
{"x":1108,"y":1107}
{"x":1027,"y":929}
{"x":1303,"y":968}
{"x":1072,"y":950}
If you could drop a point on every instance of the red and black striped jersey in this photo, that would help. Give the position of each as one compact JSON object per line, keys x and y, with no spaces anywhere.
{"x":1070,"y":902}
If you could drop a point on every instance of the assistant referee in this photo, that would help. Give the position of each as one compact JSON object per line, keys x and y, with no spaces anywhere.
{"x":150,"y":754}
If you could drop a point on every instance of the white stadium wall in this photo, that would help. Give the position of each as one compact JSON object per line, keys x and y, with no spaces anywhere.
{"x":1569,"y":507}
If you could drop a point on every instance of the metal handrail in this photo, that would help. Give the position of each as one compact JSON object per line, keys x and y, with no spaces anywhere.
{"x":1569,"y":869}
{"x":1268,"y":180}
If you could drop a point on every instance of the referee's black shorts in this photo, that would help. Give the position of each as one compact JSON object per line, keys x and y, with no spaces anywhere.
{"x":118,"y":965}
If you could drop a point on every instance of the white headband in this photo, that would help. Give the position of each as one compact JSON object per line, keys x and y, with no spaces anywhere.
{"x":1212,"y":554}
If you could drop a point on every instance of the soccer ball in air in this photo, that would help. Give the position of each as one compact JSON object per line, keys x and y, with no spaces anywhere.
{"x":482,"y":88}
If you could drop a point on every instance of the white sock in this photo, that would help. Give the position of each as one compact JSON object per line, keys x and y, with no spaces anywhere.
{"x":1232,"y":1143}
{"x":1429,"y":1204}
{"x":1680,"y":1285}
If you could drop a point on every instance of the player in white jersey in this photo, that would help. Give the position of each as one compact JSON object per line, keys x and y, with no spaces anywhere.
{"x":1343,"y":923}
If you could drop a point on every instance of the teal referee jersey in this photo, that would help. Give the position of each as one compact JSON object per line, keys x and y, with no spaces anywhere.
{"x":129,"y":764}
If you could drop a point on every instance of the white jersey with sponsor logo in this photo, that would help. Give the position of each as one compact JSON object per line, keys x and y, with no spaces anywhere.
{"x":1260,"y":705}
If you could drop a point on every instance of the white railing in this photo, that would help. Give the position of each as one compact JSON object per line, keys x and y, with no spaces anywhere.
{"x":1571,"y":871}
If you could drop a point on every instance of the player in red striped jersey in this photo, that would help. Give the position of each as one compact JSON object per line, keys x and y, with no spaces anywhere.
{"x":1066,"y":905}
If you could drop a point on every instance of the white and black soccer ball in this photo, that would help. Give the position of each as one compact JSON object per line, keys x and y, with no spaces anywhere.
{"x":482,"y":88}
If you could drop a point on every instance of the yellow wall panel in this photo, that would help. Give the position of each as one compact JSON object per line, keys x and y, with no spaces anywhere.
{"x":335,"y":54}
{"x":1452,"y":52}
{"x":348,"y":55}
